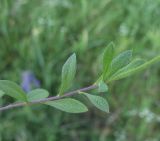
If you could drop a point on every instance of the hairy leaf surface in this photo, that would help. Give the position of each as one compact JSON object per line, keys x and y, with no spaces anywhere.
{"x":69,"y":105}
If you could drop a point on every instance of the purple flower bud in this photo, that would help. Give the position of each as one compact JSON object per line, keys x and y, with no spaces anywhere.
{"x":29,"y":81}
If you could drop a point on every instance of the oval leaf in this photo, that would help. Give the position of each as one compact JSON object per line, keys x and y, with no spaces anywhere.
{"x":12,"y":89}
{"x":37,"y":94}
{"x":68,"y":105}
{"x":68,"y":74}
{"x":133,"y":70}
{"x":98,"y":102}
{"x":135,"y":63}
{"x":120,"y":61}
{"x":107,"y":58}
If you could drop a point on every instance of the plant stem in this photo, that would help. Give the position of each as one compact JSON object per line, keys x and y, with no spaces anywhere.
{"x":72,"y":93}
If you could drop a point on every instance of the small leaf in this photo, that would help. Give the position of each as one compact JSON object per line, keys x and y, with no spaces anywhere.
{"x":133,"y":70}
{"x":107,"y":58}
{"x":1,"y":93}
{"x":120,"y":61}
{"x":135,"y":63}
{"x":68,"y":105}
{"x":102,"y":87}
{"x":37,"y":94}
{"x":12,"y":89}
{"x":98,"y":102}
{"x":68,"y":74}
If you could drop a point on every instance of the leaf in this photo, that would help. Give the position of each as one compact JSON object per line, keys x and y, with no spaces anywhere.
{"x":1,"y":93}
{"x":98,"y":102}
{"x":37,"y":94}
{"x":135,"y":63}
{"x":107,"y":58}
{"x":68,"y":73}
{"x":12,"y":89}
{"x":102,"y":87}
{"x":120,"y":61}
{"x":68,"y":105}
{"x":132,"y":70}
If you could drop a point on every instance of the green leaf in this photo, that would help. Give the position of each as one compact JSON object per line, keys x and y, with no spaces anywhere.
{"x":132,"y":68}
{"x":120,"y":61}
{"x":107,"y":58}
{"x":135,"y":63}
{"x":12,"y":89}
{"x":102,"y":87}
{"x":1,"y":93}
{"x":98,"y":102}
{"x":37,"y":94}
{"x":68,"y":74}
{"x":68,"y":105}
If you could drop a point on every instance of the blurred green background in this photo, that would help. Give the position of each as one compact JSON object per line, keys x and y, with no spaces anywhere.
{"x":39,"y":35}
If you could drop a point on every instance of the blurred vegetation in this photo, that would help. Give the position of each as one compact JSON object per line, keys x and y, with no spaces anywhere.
{"x":39,"y":35}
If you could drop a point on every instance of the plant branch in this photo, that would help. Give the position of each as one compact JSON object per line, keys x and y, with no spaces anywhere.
{"x":69,"y":94}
